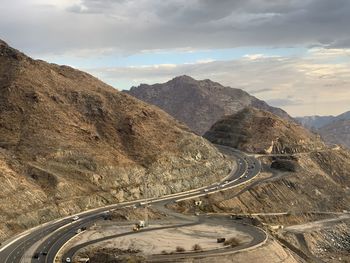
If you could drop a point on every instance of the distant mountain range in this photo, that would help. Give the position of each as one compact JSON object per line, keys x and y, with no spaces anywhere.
{"x":316,"y":122}
{"x":333,"y":129}
{"x":199,"y":103}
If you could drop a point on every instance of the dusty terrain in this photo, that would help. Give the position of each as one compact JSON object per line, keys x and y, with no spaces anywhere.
{"x":199,"y":104}
{"x":69,"y":142}
{"x":166,"y":240}
{"x":271,"y":253}
{"x":257,"y":131}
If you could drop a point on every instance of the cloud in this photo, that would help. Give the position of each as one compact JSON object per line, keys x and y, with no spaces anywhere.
{"x":95,"y":31}
{"x":284,"y":102}
{"x":132,"y":26}
{"x":302,"y":86}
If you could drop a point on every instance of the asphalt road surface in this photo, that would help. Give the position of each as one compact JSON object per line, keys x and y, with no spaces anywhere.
{"x":49,"y":238}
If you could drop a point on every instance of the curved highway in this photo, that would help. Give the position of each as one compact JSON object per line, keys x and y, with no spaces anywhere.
{"x":45,"y":241}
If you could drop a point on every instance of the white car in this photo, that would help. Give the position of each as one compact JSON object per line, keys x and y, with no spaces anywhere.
{"x":206,"y":190}
{"x":75,"y":218}
{"x":68,"y":260}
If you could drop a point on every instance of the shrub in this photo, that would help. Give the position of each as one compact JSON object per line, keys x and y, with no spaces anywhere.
{"x":233,"y":242}
{"x":196,"y":247}
{"x":180,"y":249}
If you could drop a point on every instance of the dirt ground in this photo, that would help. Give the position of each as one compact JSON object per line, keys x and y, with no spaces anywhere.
{"x":156,"y":242}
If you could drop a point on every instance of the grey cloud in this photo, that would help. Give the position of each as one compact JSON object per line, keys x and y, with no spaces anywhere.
{"x":284,"y":102}
{"x":132,"y":26}
{"x":261,"y":90}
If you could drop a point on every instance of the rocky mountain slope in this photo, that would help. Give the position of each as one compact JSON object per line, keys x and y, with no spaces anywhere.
{"x":333,"y":129}
{"x":337,"y":132}
{"x":301,"y":181}
{"x":69,"y":142}
{"x":259,"y":131}
{"x":199,"y":104}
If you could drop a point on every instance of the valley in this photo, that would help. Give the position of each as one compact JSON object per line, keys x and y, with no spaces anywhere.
{"x":92,"y":174}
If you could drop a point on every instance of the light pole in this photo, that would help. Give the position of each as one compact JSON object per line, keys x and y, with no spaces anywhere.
{"x":145,"y":179}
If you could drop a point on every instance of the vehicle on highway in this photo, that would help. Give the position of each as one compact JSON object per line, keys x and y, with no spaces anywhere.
{"x":75,"y":218}
{"x":44,"y":253}
{"x":220,"y":240}
{"x":68,"y":260}
{"x":36,"y":255}
{"x":206,"y":190}
{"x":139,"y":225}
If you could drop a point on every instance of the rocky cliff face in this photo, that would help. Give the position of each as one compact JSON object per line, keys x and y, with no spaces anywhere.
{"x":259,"y":131}
{"x":199,"y":104}
{"x":69,"y":142}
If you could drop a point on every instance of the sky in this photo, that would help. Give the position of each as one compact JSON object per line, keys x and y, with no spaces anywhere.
{"x":294,"y":54}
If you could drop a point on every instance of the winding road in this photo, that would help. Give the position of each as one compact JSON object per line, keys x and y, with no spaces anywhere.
{"x":52,"y":236}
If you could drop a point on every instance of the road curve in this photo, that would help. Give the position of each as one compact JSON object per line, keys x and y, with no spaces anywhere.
{"x":53,"y":235}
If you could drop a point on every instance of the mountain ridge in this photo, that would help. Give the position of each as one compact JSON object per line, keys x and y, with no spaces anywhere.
{"x":198,"y":103}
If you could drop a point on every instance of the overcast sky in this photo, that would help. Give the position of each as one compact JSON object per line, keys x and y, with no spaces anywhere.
{"x":295,"y":54}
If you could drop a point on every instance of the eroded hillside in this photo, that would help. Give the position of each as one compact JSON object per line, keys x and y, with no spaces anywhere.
{"x":259,"y":131}
{"x":69,"y":142}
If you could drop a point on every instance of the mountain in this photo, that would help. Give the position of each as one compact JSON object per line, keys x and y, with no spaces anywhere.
{"x":337,"y":132}
{"x":254,"y":130}
{"x":199,"y":104}
{"x":316,"y":122}
{"x":333,"y":129}
{"x":69,"y":142}
{"x":300,"y":183}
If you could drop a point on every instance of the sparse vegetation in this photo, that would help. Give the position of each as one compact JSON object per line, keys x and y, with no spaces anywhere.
{"x":196,"y":247}
{"x":233,"y":242}
{"x":180,"y":249}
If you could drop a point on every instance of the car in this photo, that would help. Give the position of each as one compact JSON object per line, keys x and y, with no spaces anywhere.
{"x":206,"y":190}
{"x":222,"y":186}
{"x":44,"y":253}
{"x":36,"y":255}
{"x":75,"y":218}
{"x":68,"y":260}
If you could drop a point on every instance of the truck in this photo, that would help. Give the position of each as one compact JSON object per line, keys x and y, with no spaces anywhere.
{"x":139,"y":225}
